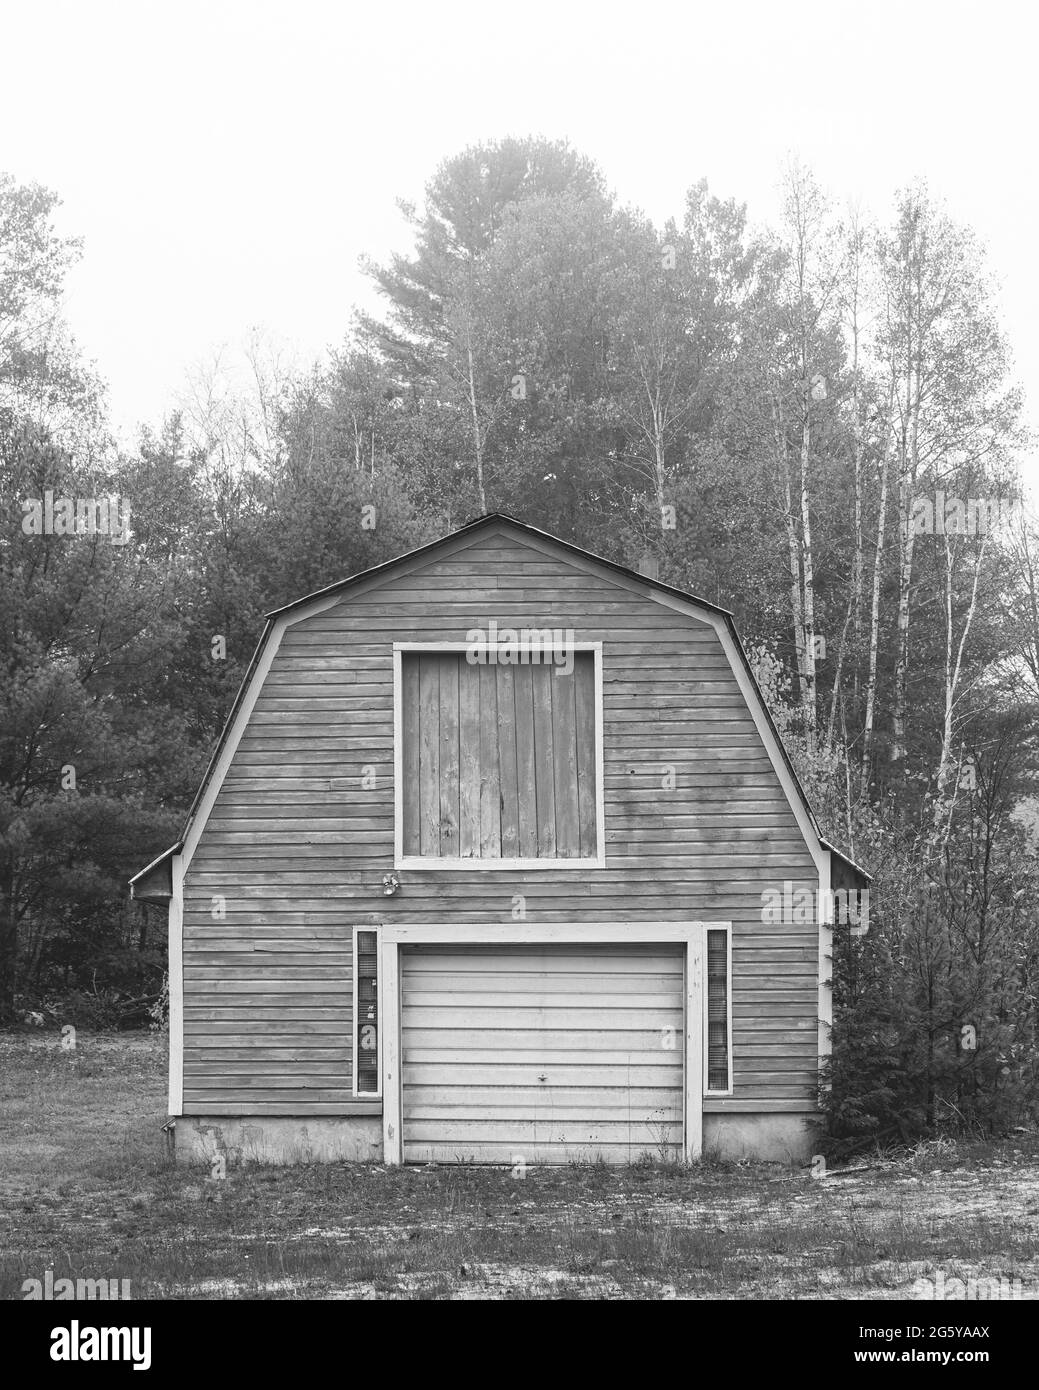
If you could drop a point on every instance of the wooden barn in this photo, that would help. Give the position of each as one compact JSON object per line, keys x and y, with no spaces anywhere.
{"x":485,"y":869}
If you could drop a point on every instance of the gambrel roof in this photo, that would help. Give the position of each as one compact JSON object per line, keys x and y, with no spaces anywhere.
{"x":154,"y":884}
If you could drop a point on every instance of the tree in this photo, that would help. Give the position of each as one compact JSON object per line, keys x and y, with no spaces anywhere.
{"x":673,"y":306}
{"x":955,"y":415}
{"x":440,"y":336}
{"x":34,"y":260}
{"x":82,"y":633}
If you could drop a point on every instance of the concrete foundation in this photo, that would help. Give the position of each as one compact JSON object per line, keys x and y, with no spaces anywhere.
{"x":769,"y":1138}
{"x":358,"y":1139}
{"x":278,"y":1139}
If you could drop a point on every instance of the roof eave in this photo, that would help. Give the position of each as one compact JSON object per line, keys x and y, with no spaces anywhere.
{"x":138,"y":884}
{"x":857,"y":868}
{"x":491,"y":519}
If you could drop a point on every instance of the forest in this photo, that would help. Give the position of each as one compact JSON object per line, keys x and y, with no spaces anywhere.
{"x":814,"y":424}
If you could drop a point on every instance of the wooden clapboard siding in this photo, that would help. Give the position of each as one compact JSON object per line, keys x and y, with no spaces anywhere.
{"x":480,"y":1028}
{"x":301,"y":832}
{"x":488,"y":761}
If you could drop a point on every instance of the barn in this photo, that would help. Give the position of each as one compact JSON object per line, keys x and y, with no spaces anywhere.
{"x":485,"y":869}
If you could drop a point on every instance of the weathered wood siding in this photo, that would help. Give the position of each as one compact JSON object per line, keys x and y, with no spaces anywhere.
{"x":297,"y":844}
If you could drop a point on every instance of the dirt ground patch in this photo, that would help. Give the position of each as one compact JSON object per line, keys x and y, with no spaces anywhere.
{"x":87,"y":1190}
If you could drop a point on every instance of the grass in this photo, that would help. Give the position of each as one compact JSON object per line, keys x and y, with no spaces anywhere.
{"x":88,"y":1190}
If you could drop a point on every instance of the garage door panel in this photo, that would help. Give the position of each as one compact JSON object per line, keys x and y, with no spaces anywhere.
{"x":661,"y":996}
{"x":493,"y":962}
{"x":619,"y":977}
{"x":565,"y":1100}
{"x":599,"y":1023}
{"x":591,"y":1018}
{"x":650,"y":1052}
{"x":646,"y":1135}
{"x":480,"y":972}
{"x":528,"y":1153}
{"x":586,"y":1070}
{"x":432,"y":1044}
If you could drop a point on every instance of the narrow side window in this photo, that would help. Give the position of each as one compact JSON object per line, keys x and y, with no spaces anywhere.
{"x":718,"y":1050}
{"x":366,"y":1013}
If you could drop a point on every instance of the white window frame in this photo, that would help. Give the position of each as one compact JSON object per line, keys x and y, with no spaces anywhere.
{"x":710,"y":1092}
{"x":436,"y":864}
{"x":396,"y":936}
{"x":376,"y":1094}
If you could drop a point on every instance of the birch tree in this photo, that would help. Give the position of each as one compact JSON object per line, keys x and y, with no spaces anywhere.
{"x":955,"y":412}
{"x":793,"y":342}
{"x":673,"y":303}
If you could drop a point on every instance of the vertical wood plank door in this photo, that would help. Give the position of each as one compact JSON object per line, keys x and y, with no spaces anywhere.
{"x":497,"y":762}
{"x":547,"y":1054}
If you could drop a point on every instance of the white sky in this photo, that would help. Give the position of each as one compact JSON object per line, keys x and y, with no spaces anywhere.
{"x":227,"y":162}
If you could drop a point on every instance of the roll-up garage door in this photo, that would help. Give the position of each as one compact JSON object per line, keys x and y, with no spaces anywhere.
{"x":545,"y":1054}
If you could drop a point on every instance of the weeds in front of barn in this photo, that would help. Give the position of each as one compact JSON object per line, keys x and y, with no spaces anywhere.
{"x":87,"y":1188}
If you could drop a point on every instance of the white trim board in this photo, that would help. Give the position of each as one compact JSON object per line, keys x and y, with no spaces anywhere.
{"x":825,"y":926}
{"x":175,"y":977}
{"x":542,"y":934}
{"x":437,"y":864}
{"x":689,"y":934}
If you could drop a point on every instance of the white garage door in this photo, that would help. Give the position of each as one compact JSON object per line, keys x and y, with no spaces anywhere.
{"x":546,"y":1054}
